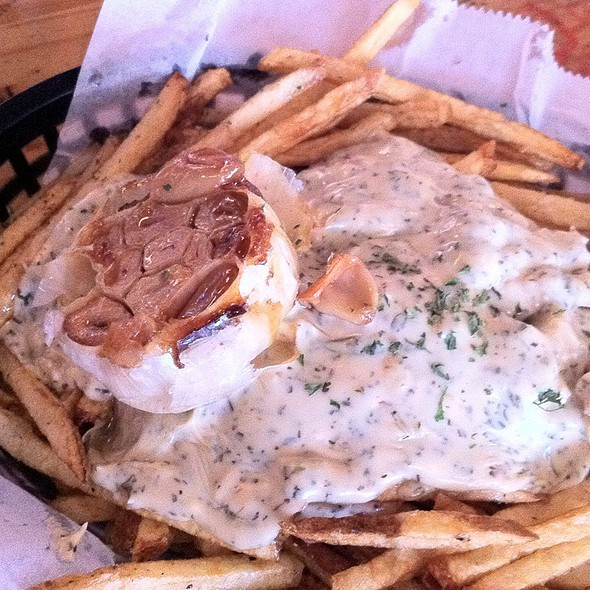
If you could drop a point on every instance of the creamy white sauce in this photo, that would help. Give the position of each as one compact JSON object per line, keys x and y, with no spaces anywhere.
{"x":460,"y":382}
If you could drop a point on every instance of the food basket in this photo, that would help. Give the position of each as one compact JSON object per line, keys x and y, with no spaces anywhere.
{"x":35,"y":113}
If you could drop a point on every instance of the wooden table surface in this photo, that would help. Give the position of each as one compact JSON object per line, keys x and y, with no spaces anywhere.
{"x":40,"y":38}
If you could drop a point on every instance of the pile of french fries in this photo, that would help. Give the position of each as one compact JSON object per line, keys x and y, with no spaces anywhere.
{"x":316,"y":105}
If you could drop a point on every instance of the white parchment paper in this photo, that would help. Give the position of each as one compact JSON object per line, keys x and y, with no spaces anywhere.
{"x":498,"y":61}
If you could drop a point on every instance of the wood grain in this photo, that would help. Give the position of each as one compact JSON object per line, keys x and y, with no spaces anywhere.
{"x":40,"y":38}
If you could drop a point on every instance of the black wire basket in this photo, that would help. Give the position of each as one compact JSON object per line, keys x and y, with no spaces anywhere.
{"x":35,"y":113}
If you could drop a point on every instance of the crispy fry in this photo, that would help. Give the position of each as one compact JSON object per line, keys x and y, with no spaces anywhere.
{"x":268,"y":100}
{"x":322,"y":560}
{"x":443,"y":501}
{"x":316,"y":118}
{"x":486,"y":123}
{"x":209,"y":573}
{"x":576,"y":579}
{"x":447,"y":138}
{"x":381,"y":31}
{"x":47,"y":412}
{"x":511,"y":171}
{"x":150,"y":131}
{"x":547,"y":209}
{"x":550,"y":507}
{"x":44,"y":205}
{"x":383,"y":571}
{"x":202,"y":90}
{"x":537,"y":568}
{"x":377,"y":120}
{"x":479,"y":161}
{"x":413,"y":114}
{"x":151,"y":541}
{"x":416,"y":530}
{"x":458,"y":570}
{"x":19,"y":440}
{"x":121,"y":531}
{"x":82,"y":508}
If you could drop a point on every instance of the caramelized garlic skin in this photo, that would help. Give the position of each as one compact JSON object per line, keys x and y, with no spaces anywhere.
{"x":189,"y":277}
{"x":463,"y":380}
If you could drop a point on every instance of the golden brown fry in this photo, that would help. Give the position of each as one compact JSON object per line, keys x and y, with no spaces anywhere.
{"x":414,"y":114}
{"x":547,"y":209}
{"x":19,"y":440}
{"x":576,"y":579}
{"x":316,"y":118}
{"x":235,"y":572}
{"x":479,"y":161}
{"x":380,"y":32}
{"x":378,"y":119}
{"x":383,"y":571}
{"x":486,"y":123}
{"x":552,"y":506}
{"x":82,"y":508}
{"x":458,"y":570}
{"x":151,"y":541}
{"x":202,"y":90}
{"x":447,"y":138}
{"x":511,"y":171}
{"x":121,"y":531}
{"x":537,"y":568}
{"x":147,"y":135}
{"x":322,"y":560}
{"x":47,"y":412}
{"x":418,"y":529}
{"x":42,"y":207}
{"x":443,"y":501}
{"x":257,"y":108}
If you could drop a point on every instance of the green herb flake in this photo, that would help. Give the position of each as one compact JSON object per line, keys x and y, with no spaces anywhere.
{"x":450,"y":341}
{"x":481,"y":298}
{"x":394,"y":347}
{"x":440,"y":412}
{"x":383,"y":302}
{"x":394,"y":264}
{"x":371,"y":348}
{"x":482,"y":349}
{"x":549,"y":400}
{"x":167,"y":187}
{"x":474,"y":323}
{"x":438,"y":370}
{"x":301,"y":359}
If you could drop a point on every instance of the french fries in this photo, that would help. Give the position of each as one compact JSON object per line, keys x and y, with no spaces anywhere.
{"x":209,"y":573}
{"x":320,"y":105}
{"x":150,"y":131}
{"x":151,"y":541}
{"x":458,"y":570}
{"x":485,"y":123}
{"x":315,"y":119}
{"x":412,"y":530}
{"x":380,"y":32}
{"x":537,"y":568}
{"x":83,"y":508}
{"x":47,"y":412}
{"x":383,"y":571}
{"x":546,"y":208}
{"x":268,"y":100}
